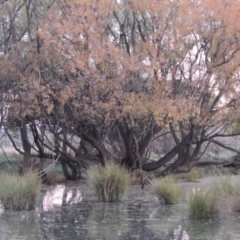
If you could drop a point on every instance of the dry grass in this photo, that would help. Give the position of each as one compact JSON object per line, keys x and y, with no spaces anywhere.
{"x":109,"y":182}
{"x":166,"y":190}
{"x":203,"y":205}
{"x":231,"y":194}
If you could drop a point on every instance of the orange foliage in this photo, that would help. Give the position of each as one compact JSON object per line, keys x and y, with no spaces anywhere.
{"x":176,"y":61}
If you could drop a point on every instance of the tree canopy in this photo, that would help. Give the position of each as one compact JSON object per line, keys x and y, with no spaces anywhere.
{"x":93,"y":81}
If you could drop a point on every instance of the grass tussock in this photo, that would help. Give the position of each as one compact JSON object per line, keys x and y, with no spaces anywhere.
{"x":166,"y":190}
{"x":109,"y":182}
{"x":19,"y":192}
{"x":203,"y":205}
{"x":227,"y":188}
{"x":231,"y":193}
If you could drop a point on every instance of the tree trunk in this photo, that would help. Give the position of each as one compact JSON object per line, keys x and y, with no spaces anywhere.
{"x":74,"y":174}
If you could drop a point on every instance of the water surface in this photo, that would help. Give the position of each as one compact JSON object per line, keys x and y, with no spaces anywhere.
{"x":72,"y":212}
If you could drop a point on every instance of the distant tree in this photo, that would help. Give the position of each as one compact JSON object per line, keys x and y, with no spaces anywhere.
{"x":19,"y":22}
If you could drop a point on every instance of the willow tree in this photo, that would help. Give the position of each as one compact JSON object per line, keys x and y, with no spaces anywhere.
{"x":104,"y":78}
{"x":95,"y":90}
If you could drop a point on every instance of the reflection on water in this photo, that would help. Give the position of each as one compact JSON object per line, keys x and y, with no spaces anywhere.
{"x":19,"y":226}
{"x":108,"y":221}
{"x":73,"y":213}
{"x":180,"y":234}
{"x":1,"y":209}
{"x":61,"y":195}
{"x":167,"y":221}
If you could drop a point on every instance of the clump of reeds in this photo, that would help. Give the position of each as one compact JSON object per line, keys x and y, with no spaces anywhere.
{"x":231,"y":193}
{"x":166,"y":190}
{"x":19,"y":192}
{"x":227,"y":188}
{"x":109,"y":182}
{"x":203,"y":204}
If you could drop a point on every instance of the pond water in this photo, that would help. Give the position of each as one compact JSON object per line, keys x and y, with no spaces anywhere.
{"x":72,"y":212}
